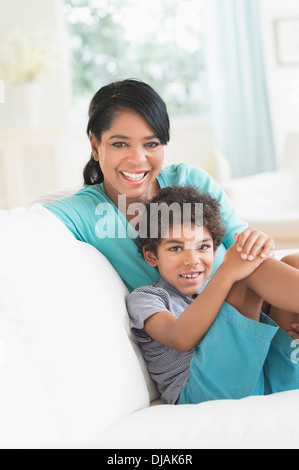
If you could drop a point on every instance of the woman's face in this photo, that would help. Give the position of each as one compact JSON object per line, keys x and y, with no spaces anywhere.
{"x":130,"y":155}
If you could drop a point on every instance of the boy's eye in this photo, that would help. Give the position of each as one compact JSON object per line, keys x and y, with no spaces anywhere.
{"x":175,"y":248}
{"x":204,"y":247}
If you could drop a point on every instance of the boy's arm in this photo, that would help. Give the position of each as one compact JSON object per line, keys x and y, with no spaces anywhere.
{"x":185,"y":332}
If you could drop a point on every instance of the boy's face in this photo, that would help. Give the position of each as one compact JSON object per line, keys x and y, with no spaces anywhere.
{"x":184,"y":261}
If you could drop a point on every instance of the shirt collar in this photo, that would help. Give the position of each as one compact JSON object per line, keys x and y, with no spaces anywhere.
{"x":170,"y":287}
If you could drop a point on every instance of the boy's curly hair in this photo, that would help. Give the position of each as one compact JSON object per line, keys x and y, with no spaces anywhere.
{"x":211,"y":217}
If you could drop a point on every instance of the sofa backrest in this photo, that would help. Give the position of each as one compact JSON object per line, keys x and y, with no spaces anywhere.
{"x":290,"y":159}
{"x":67,"y":357}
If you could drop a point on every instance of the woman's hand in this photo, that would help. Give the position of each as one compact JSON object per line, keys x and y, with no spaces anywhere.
{"x":253,"y":242}
{"x":238,"y":268}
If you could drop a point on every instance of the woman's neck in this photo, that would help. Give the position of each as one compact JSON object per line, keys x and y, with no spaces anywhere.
{"x":124,"y":202}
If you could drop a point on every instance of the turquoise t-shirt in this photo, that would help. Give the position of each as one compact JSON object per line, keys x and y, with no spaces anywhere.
{"x":93,"y":218}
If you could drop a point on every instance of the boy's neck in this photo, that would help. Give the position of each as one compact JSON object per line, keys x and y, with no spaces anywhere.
{"x":162,"y":281}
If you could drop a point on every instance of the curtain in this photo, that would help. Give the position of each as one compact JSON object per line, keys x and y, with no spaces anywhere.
{"x":240,"y":110}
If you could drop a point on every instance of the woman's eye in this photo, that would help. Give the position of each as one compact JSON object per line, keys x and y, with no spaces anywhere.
{"x":119,"y":144}
{"x":152,"y":145}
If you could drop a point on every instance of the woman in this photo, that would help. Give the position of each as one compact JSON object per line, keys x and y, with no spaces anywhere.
{"x":128,"y":128}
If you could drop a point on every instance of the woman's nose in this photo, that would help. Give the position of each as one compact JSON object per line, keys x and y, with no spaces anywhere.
{"x":137,"y":155}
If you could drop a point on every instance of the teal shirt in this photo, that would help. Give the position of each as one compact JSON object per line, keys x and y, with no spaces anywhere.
{"x":86,"y":214}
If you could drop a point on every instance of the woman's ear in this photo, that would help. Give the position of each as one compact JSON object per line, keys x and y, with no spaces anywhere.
{"x":149,"y":257}
{"x":94,"y":147}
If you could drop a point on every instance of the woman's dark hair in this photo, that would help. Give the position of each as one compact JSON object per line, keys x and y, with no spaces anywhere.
{"x":120,"y":96}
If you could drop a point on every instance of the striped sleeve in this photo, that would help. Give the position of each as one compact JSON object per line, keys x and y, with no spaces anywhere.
{"x":144,"y":302}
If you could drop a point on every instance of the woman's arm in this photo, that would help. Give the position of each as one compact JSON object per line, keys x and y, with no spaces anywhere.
{"x":250,"y":240}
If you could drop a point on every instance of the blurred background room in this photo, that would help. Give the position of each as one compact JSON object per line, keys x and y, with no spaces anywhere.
{"x":228,"y":71}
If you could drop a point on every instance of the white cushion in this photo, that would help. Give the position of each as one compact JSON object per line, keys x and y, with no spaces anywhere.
{"x":269,"y":202}
{"x":64,"y":301}
{"x":275,"y":191}
{"x":26,"y":416}
{"x":252,"y":422}
{"x":95,"y":264}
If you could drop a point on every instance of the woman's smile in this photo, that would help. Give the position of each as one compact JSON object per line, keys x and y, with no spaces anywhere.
{"x":130,"y":155}
{"x":134,"y":178}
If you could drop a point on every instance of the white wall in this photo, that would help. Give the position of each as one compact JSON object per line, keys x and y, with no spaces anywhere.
{"x":283,"y":82}
{"x":192,"y":141}
{"x":27,"y":15}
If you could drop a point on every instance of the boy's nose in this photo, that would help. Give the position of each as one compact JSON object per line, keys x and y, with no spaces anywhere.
{"x":191,"y":258}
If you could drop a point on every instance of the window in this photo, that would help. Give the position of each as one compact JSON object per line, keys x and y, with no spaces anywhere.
{"x":157,"y":41}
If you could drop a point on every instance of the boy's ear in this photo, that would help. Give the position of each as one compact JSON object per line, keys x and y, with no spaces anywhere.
{"x":150,"y":258}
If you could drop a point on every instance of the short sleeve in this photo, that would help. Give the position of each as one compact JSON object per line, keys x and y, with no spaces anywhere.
{"x":78,"y":213}
{"x":144,"y":302}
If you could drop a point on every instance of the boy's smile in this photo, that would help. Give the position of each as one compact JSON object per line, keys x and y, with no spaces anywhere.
{"x":185,"y":261}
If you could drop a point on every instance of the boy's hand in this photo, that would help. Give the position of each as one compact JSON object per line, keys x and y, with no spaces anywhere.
{"x":253,"y":242}
{"x":238,"y":268}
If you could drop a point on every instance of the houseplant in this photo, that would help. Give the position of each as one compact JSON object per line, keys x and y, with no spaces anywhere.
{"x":25,"y":58}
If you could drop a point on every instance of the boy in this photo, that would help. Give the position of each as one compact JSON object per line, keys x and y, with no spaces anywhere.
{"x":204,"y":337}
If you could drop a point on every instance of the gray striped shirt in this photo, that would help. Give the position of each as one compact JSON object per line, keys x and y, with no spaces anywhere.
{"x":168,"y":367}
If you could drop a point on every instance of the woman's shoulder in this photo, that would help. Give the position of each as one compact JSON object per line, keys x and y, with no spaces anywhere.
{"x":93,"y":191}
{"x":182,"y":173}
{"x":86,"y":195}
{"x":78,"y":210}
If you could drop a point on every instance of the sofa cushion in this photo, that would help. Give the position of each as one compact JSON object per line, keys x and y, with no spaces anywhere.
{"x":275,"y":191}
{"x":26,"y":414}
{"x":95,"y":264}
{"x":65,"y":305}
{"x":253,"y":422}
{"x":269,"y":202}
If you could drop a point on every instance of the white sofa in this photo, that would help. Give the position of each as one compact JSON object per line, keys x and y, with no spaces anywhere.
{"x":72,"y":377}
